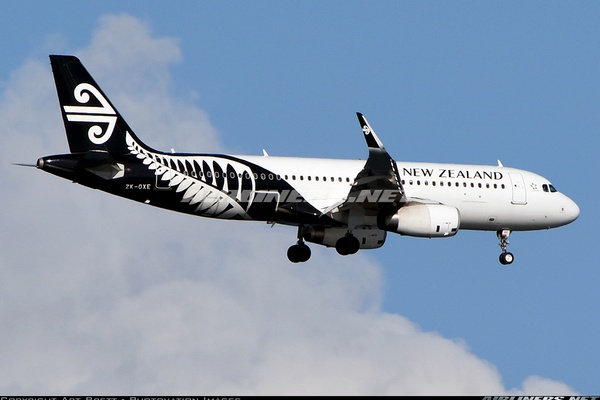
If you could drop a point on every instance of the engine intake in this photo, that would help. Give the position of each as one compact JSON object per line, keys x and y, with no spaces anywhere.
{"x":423,"y":220}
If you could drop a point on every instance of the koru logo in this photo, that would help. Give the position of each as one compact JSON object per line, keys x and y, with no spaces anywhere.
{"x":99,"y":115}
{"x":366,"y":130}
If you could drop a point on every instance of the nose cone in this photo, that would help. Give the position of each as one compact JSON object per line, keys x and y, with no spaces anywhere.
{"x":571,"y":210}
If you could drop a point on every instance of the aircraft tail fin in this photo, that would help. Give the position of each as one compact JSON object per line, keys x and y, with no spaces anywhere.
{"x":91,"y":121}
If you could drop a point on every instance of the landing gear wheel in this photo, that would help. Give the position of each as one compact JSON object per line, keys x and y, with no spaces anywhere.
{"x":347,"y":245}
{"x":298,"y":253}
{"x":506,"y":258}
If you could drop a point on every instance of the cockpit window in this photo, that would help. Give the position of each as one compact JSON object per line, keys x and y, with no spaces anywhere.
{"x":549,"y":188}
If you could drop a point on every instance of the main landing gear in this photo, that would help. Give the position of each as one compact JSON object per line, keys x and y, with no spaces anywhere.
{"x":299,"y":252}
{"x":347,"y":245}
{"x":506,"y":258}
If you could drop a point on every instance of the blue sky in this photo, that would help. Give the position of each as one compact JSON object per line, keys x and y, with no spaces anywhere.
{"x":464,"y":82}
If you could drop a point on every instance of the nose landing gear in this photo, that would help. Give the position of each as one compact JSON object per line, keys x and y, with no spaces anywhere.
{"x":506,"y":258}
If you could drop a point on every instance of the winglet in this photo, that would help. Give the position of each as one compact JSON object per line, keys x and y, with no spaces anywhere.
{"x":380,"y":172}
{"x":370,"y":136}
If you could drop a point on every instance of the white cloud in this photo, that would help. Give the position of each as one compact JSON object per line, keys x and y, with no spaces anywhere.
{"x":102,"y":294}
{"x":133,"y":67}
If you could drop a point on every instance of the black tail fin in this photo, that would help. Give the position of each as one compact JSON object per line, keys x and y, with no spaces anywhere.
{"x":91,"y":121}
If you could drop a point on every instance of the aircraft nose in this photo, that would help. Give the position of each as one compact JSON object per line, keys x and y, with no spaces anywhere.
{"x":570,"y":210}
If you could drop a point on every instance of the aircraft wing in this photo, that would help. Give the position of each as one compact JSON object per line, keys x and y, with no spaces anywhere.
{"x":379,"y":179}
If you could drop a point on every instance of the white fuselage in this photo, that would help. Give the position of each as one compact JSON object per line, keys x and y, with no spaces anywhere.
{"x":487,"y":197}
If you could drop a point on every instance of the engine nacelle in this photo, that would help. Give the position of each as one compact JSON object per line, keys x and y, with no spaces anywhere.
{"x":423,"y":220}
{"x":368,"y":237}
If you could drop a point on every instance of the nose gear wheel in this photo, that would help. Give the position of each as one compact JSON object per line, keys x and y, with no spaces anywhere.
{"x":506,"y":258}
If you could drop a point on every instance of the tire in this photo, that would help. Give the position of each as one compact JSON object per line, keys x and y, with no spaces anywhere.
{"x":341,"y":246}
{"x":293,"y":254}
{"x":298,"y":253}
{"x":506,"y":258}
{"x":353,"y":245}
{"x":347,"y":245}
{"x":304,"y":251}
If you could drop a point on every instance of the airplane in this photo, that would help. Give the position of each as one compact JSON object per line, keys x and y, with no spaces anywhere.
{"x":346,"y":204}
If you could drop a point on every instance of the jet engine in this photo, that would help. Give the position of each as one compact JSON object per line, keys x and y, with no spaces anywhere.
{"x":423,"y":220}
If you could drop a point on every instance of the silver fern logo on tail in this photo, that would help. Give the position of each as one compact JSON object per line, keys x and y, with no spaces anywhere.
{"x":98,"y":115}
